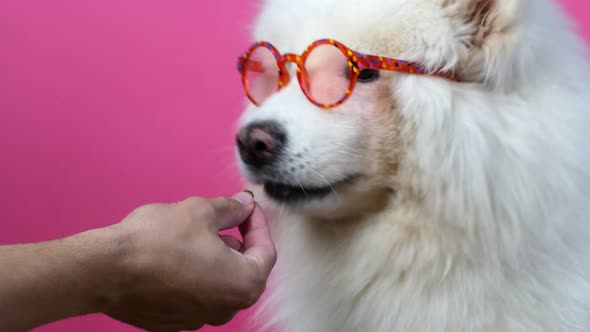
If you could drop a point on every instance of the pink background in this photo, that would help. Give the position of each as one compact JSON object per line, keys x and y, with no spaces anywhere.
{"x":107,"y":105}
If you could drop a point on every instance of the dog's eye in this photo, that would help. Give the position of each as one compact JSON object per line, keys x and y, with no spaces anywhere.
{"x":368,"y":75}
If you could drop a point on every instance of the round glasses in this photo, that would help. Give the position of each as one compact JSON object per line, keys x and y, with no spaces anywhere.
{"x":327,"y":71}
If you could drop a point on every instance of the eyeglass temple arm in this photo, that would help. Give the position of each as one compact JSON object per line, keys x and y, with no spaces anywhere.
{"x":401,"y":66}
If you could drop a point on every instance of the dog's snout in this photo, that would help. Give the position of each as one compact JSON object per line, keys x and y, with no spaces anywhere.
{"x":261,"y":143}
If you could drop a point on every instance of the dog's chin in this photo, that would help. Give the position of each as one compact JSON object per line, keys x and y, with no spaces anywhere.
{"x":340,"y":200}
{"x":298,"y":195}
{"x":305,"y":198}
{"x":353,"y":195}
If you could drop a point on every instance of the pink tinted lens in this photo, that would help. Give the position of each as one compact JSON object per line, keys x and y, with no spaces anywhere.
{"x":261,"y":74}
{"x":327,"y":75}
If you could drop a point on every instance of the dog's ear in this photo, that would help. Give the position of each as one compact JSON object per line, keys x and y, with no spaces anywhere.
{"x":492,"y":27}
{"x":487,"y":18}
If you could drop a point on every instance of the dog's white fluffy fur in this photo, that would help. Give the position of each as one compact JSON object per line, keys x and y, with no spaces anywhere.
{"x":472,"y":212}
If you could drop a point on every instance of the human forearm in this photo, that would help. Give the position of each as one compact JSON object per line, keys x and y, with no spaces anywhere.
{"x":164,"y":268}
{"x":49,"y":281}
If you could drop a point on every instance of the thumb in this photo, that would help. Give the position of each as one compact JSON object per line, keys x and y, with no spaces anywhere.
{"x":231,"y":212}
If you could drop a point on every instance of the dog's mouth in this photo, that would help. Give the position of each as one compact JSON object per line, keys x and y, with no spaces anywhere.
{"x":288,"y":193}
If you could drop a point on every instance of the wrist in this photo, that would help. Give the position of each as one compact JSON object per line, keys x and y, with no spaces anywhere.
{"x":102,"y":267}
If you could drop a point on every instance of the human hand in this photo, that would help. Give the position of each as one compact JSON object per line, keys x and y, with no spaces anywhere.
{"x":174,"y":271}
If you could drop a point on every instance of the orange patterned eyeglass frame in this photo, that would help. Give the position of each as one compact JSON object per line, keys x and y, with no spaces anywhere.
{"x":356,"y":62}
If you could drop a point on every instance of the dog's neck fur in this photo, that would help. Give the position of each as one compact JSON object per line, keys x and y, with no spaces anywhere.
{"x":399,"y":258}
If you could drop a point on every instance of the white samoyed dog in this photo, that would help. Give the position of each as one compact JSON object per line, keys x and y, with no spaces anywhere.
{"x":421,"y":202}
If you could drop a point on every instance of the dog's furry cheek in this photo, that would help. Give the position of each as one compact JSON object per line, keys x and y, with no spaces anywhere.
{"x":385,"y":142}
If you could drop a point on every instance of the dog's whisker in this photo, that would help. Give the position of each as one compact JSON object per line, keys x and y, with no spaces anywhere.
{"x":356,"y":155}
{"x":224,"y":150}
{"x":328,"y":183}
{"x":284,"y":150}
{"x":324,"y":158}
{"x":227,"y":147}
{"x":281,"y":209}
{"x":301,"y":186}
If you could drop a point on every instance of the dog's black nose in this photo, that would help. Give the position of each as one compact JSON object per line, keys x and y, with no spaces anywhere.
{"x":261,"y":143}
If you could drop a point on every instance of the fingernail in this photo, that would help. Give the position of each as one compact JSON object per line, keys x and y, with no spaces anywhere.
{"x":245,"y":197}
